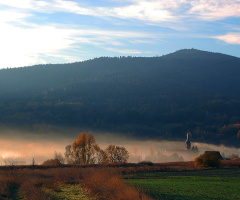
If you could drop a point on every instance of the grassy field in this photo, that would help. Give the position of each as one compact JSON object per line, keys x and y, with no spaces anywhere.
{"x":180,"y":180}
{"x":211,"y":184}
{"x":72,"y":183}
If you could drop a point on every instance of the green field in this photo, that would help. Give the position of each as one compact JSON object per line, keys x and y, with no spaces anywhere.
{"x":221,"y":184}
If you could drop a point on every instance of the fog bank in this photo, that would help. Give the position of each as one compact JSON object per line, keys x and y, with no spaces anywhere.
{"x":17,"y":147}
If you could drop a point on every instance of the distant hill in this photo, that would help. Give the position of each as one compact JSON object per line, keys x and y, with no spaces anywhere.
{"x":148,"y":97}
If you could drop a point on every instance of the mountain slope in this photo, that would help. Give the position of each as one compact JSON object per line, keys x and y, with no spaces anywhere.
{"x":189,"y":90}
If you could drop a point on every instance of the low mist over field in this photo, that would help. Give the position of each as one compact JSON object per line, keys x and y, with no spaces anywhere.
{"x":20,"y":147}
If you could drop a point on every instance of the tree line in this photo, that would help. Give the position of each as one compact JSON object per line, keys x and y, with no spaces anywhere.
{"x":160,"y":96}
{"x":85,"y":150}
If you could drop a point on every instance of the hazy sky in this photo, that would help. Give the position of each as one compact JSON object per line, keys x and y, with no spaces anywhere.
{"x":62,"y":31}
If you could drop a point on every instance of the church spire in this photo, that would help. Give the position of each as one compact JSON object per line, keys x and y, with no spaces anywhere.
{"x":188,"y":143}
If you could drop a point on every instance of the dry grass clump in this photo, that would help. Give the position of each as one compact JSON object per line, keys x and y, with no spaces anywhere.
{"x":8,"y":182}
{"x":25,"y":183}
{"x":31,"y":189}
{"x":108,"y":184}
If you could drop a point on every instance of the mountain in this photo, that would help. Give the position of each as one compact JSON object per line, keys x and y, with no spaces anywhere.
{"x":148,"y":97}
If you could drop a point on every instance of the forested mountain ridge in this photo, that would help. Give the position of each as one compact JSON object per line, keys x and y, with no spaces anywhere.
{"x":155,"y":97}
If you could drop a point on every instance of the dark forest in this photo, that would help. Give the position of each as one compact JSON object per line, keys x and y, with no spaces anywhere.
{"x":146,"y":97}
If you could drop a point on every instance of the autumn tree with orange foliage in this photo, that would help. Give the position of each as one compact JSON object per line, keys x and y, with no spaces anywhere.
{"x":116,"y":154}
{"x":238,"y":134}
{"x":85,"y":150}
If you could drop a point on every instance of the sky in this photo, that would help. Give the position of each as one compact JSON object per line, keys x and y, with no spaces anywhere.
{"x":61,"y":31}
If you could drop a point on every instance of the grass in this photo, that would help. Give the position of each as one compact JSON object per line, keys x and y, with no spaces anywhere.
{"x":211,"y":184}
{"x":66,"y":183}
{"x":68,"y":192}
{"x":108,"y":182}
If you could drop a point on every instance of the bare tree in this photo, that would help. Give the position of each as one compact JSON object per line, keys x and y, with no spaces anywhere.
{"x":69,"y":158}
{"x":33,"y":162}
{"x":116,"y":154}
{"x":101,"y":157}
{"x":59,"y":157}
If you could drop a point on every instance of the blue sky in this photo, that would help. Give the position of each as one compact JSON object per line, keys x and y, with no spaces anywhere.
{"x":62,"y":31}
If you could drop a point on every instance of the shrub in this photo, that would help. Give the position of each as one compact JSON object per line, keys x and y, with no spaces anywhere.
{"x":108,"y":184}
{"x":52,"y":162}
{"x":234,"y":157}
{"x":208,"y":159}
{"x":149,"y":163}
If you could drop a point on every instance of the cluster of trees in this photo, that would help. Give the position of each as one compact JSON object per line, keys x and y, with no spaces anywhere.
{"x":194,"y":149}
{"x":154,"y":156}
{"x":11,"y":161}
{"x":85,"y":150}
